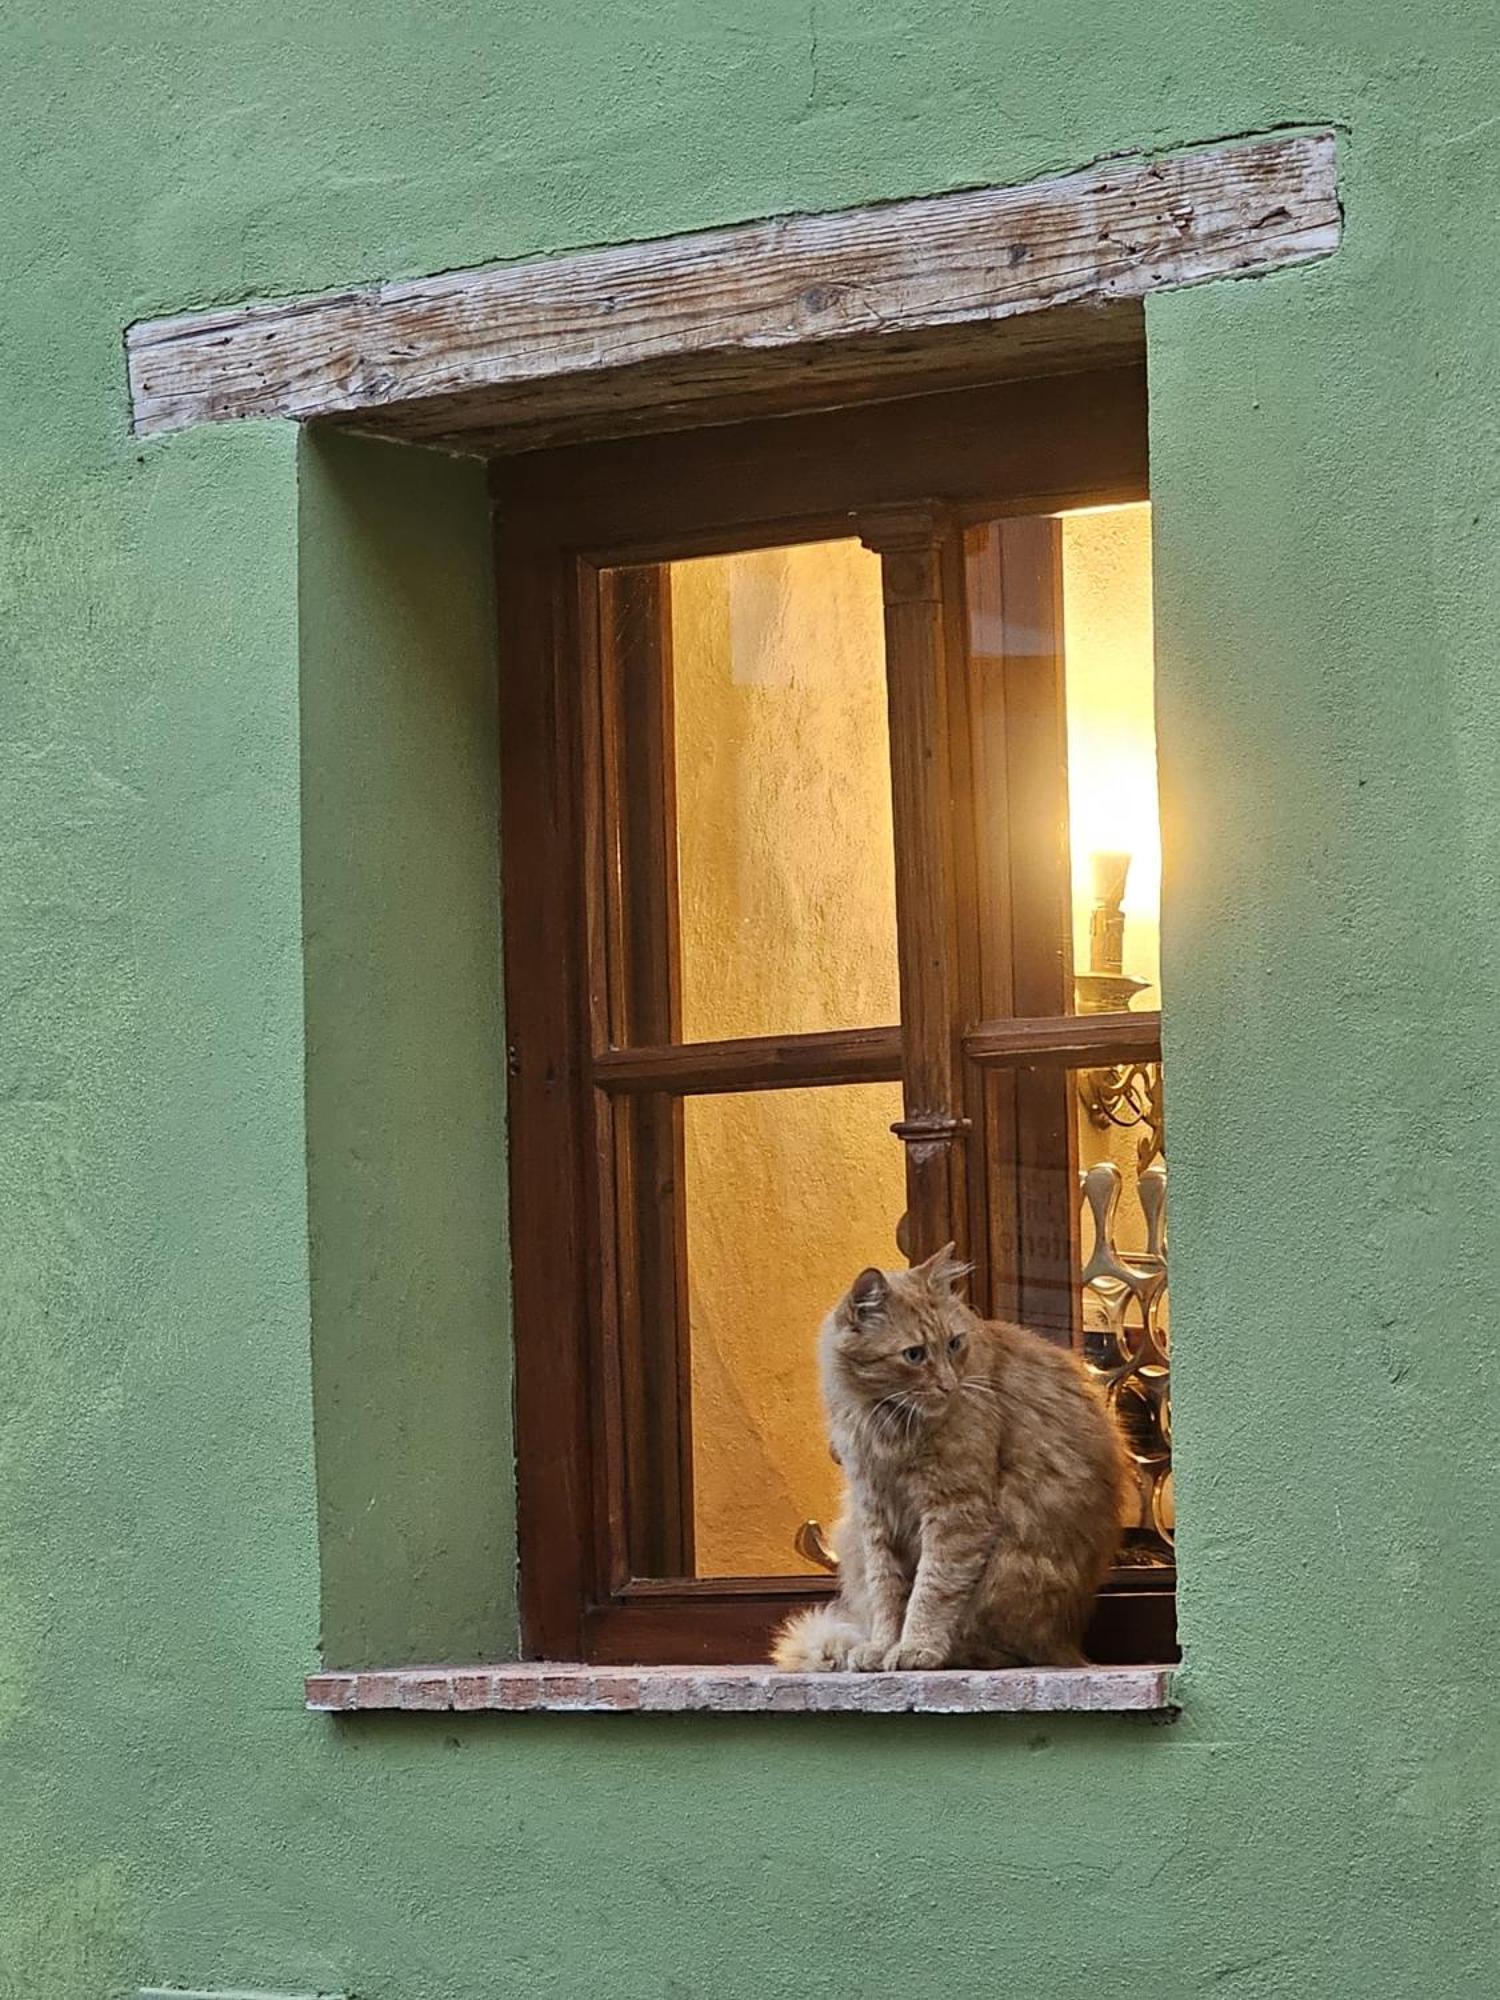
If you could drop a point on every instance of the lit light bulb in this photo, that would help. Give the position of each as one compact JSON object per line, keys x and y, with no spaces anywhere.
{"x":1109,"y":872}
{"x":1113,"y":813}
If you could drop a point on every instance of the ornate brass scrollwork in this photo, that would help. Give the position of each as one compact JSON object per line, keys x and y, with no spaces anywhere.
{"x":1126,"y":1344}
{"x":1127,"y":1095}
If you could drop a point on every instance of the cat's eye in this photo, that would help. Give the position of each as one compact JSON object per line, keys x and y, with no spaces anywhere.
{"x":955,"y":1343}
{"x":914,"y":1354}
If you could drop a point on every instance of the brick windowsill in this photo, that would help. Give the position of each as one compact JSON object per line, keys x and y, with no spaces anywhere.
{"x":557,"y":1687}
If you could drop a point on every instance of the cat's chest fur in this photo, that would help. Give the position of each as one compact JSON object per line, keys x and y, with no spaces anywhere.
{"x":902,"y":1494}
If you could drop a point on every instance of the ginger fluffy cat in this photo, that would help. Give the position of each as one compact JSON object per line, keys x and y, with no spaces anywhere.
{"x":984,"y":1484}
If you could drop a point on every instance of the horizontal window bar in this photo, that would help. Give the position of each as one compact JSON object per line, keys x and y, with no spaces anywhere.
{"x":683,"y":1593}
{"x":686,"y":1591}
{"x":714,"y":1621}
{"x":1078,"y":1039}
{"x":763,"y":1062}
{"x":870,"y":1055}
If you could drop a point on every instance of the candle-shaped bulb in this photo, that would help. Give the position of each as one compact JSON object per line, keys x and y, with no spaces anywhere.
{"x":1107,"y":918}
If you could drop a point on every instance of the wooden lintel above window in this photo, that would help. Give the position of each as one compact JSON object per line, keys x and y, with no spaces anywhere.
{"x":791,"y":313}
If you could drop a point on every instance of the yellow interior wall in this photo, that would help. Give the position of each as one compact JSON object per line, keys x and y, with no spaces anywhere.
{"x":788,"y":925}
{"x":786,"y":880}
{"x":787,"y":912}
{"x":789,"y":1194}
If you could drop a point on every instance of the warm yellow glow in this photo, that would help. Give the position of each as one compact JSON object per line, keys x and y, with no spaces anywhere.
{"x":1112,"y":794}
{"x":786,"y":890}
{"x":788,"y":1194}
{"x":785,"y":863}
{"x":787,"y":923}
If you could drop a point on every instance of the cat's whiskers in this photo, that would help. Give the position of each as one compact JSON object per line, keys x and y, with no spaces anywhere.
{"x":880,"y":1418}
{"x":890,"y":1420}
{"x":911,"y":1411}
{"x":888,"y":1409}
{"x":987,"y":1399}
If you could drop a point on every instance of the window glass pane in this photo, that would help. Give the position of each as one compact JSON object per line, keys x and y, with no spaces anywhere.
{"x":1113,"y":816}
{"x":785,"y":875}
{"x":1064,"y":744}
{"x":788,"y":1195}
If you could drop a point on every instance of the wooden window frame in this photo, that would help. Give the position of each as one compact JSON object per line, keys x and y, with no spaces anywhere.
{"x":563,"y":518}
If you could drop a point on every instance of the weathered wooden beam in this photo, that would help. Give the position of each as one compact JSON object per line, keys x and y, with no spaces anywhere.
{"x":684,"y":320}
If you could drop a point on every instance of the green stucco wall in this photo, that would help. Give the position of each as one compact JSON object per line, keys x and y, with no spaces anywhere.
{"x":1327,"y":476}
{"x":405,"y":1085}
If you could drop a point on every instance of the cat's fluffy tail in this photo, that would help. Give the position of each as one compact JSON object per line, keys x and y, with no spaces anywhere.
{"x":815,"y":1642}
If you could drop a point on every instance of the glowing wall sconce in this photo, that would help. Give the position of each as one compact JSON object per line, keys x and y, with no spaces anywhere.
{"x":1106,"y":988}
{"x":1129,"y":1094}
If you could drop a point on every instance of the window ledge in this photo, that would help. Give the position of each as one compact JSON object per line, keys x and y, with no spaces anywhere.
{"x":556,"y":1687}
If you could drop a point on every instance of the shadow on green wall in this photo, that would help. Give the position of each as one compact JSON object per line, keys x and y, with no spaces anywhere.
{"x":405,"y":1055}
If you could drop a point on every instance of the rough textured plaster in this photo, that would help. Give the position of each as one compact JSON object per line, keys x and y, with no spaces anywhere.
{"x":1321,"y":1823}
{"x":405,"y":1055}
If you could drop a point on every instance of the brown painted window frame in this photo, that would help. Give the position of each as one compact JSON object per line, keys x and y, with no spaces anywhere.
{"x":985,"y":1034}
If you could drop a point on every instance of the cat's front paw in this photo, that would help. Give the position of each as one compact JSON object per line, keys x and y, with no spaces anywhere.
{"x":903,"y":1659}
{"x":868,"y":1658}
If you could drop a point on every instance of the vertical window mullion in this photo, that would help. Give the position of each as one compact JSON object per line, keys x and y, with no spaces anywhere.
{"x":1018,"y":726}
{"x":650,"y":1521}
{"x":918,"y":575}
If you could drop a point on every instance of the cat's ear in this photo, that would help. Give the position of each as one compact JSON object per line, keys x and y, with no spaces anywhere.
{"x":943,"y":1271}
{"x":868,"y":1296}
